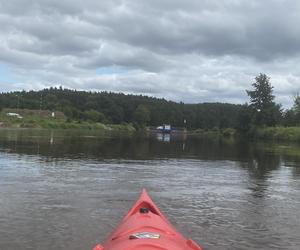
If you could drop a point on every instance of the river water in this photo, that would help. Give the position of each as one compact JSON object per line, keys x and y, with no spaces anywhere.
{"x":69,"y":189}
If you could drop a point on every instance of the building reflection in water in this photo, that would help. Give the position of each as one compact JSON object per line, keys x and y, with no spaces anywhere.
{"x":163,"y":137}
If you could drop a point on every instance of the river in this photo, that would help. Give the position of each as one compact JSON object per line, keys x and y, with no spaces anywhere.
{"x":69,"y":189}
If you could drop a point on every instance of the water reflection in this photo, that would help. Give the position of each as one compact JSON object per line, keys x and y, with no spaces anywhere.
{"x":163,"y":137}
{"x":258,"y":158}
{"x":225,"y":194}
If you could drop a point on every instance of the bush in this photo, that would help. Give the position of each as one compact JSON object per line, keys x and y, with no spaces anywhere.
{"x":279,"y":133}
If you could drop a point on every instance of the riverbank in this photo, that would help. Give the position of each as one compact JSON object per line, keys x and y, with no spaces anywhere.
{"x":48,"y":120}
{"x":267,"y":133}
{"x":43,"y":124}
{"x":278,"y":133}
{"x":43,"y":119}
{"x":215,"y":132}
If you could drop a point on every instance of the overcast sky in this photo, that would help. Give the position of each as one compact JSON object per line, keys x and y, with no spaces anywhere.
{"x":183,"y":50}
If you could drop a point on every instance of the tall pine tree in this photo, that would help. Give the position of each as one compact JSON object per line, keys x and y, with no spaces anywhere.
{"x":266,"y":111}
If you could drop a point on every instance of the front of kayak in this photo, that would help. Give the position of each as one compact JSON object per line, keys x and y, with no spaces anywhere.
{"x":146,"y":228}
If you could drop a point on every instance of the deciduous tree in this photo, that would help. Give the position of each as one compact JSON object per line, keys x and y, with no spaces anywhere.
{"x":141,"y":115}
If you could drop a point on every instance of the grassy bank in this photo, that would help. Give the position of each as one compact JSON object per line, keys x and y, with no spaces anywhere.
{"x":215,"y":132}
{"x":267,"y":133}
{"x":46,"y":120}
{"x":278,"y":133}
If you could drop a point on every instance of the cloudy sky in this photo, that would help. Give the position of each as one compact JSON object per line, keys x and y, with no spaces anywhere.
{"x":183,"y":50}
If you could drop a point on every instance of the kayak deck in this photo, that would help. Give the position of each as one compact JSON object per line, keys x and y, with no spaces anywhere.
{"x":146,"y":228}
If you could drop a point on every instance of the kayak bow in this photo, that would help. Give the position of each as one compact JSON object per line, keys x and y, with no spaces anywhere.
{"x":146,"y":228}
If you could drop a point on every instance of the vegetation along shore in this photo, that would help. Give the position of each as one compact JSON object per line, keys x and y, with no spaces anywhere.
{"x":45,"y":119}
{"x":261,"y":118}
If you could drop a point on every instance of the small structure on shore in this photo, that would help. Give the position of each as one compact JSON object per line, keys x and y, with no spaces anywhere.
{"x":166,"y":128}
{"x":14,"y":115}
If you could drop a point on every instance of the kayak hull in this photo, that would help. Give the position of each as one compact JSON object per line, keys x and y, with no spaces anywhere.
{"x":146,"y":228}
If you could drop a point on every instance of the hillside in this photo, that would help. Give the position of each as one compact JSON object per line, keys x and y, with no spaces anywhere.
{"x":116,"y":108}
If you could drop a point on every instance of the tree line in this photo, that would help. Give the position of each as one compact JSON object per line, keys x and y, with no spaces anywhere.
{"x":108,"y":107}
{"x":263,"y":111}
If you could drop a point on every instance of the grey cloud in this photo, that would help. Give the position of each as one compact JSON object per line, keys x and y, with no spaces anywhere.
{"x":257,"y":29}
{"x":189,"y":50}
{"x":113,"y":53}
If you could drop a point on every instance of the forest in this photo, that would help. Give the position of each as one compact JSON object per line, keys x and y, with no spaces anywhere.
{"x":118,"y":108}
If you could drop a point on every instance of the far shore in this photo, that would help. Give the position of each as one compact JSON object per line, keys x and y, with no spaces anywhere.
{"x":43,"y":119}
{"x":52,"y":124}
{"x":278,"y":133}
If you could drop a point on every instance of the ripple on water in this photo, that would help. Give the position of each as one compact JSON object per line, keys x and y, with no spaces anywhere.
{"x":71,"y":203}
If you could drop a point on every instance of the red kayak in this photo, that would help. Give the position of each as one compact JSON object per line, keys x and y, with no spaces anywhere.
{"x":146,"y":228}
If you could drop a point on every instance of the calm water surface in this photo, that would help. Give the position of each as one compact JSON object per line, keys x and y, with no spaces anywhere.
{"x":69,"y":189}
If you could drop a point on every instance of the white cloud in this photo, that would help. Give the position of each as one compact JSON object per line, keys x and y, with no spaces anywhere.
{"x":191,"y":51}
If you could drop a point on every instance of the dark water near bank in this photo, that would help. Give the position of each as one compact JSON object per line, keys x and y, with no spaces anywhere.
{"x":68,"y":190}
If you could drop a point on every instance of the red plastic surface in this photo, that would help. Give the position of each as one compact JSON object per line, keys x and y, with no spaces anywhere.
{"x":154,"y":223}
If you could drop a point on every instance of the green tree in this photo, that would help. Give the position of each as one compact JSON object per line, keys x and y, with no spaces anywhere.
{"x":289,"y":118}
{"x":72,"y":113}
{"x":296,"y":110}
{"x":244,"y":119}
{"x":266,"y":111}
{"x":50,"y":101}
{"x":141,"y":115}
{"x":296,"y":106}
{"x":116,"y":113}
{"x":118,"y":108}
{"x":94,"y":115}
